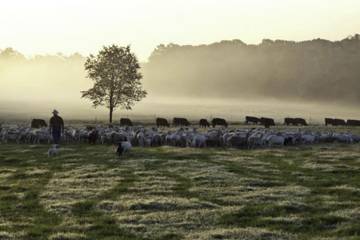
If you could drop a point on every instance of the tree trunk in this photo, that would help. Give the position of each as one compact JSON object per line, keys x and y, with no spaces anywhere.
{"x":111,"y":114}
{"x":111,"y":105}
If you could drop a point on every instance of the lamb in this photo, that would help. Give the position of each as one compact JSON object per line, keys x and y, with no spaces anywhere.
{"x":198,"y":140}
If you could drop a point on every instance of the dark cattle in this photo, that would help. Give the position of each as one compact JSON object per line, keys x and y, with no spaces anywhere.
{"x":162,"y":122}
{"x":38,"y":123}
{"x":237,"y":141}
{"x":250,"y":119}
{"x":219,"y":121}
{"x":329,"y":121}
{"x":125,"y":122}
{"x":301,"y":121}
{"x":180,"y":122}
{"x":352,"y":122}
{"x":267,"y":122}
{"x":295,"y":121}
{"x":204,"y":123}
{"x":289,"y":121}
{"x":339,"y":122}
{"x":89,"y":128}
{"x":335,"y":122}
{"x":93,"y":136}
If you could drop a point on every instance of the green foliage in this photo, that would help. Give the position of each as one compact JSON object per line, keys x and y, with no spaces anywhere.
{"x":116,"y":76}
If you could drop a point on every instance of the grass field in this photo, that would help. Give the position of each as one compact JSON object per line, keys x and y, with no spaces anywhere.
{"x":309,"y":192}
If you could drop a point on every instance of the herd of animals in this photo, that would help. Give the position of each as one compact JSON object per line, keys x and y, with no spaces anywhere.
{"x":185,"y":135}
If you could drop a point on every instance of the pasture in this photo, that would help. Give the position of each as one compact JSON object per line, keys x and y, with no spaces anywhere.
{"x":299,"y":192}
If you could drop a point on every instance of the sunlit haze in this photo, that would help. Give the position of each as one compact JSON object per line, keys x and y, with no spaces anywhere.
{"x":68,"y":26}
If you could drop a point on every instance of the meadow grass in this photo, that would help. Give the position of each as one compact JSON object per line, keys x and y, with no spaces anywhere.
{"x":307,"y":192}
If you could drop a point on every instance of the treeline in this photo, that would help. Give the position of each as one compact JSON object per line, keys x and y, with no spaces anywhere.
{"x":310,"y":70}
{"x":319,"y":70}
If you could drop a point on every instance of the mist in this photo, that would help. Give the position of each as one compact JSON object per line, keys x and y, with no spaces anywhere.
{"x":315,"y":70}
{"x":231,"y":79}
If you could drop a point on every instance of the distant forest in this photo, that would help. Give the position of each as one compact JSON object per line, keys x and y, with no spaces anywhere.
{"x":309,"y":70}
{"x":316,"y":70}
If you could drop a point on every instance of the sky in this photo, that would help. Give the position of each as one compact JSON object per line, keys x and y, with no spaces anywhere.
{"x":84,"y":26}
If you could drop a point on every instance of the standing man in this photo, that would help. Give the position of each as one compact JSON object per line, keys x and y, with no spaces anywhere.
{"x":56,"y":127}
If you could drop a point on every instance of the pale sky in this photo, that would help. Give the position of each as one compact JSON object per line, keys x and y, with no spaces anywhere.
{"x":84,"y":26}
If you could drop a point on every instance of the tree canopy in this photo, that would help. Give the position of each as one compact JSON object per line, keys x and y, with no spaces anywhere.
{"x":116,"y":76}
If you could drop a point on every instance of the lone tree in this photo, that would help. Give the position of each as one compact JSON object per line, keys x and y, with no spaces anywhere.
{"x":116,"y":76}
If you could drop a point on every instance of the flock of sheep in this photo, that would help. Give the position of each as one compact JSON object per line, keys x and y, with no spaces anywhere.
{"x":179,"y":137}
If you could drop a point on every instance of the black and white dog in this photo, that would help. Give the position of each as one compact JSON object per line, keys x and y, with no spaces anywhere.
{"x":123,"y":147}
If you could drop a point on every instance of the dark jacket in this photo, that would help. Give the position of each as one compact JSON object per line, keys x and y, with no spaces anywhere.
{"x":56,"y":123}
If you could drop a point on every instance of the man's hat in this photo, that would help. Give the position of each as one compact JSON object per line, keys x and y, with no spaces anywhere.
{"x":55,"y":111}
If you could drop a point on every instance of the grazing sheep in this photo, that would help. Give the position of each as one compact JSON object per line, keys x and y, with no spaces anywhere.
{"x":275,"y":140}
{"x":308,"y":138}
{"x":93,"y":136}
{"x":255,"y":139}
{"x":181,"y":137}
{"x":199,"y":141}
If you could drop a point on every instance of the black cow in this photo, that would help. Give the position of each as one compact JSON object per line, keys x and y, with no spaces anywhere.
{"x":204,"y":123}
{"x":219,"y":121}
{"x":353,"y":123}
{"x":89,"y":128}
{"x":162,"y":122}
{"x":295,"y":121}
{"x":301,"y":121}
{"x":267,"y":122}
{"x":289,"y":121}
{"x":335,"y":122}
{"x":38,"y":123}
{"x":339,"y":122}
{"x":181,"y":122}
{"x":250,"y":119}
{"x":329,"y":121}
{"x":126,"y":122}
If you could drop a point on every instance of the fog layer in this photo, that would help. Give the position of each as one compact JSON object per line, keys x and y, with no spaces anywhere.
{"x":229,"y":78}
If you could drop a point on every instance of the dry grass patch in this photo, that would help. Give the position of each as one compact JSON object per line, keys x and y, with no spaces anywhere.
{"x":82,"y":183}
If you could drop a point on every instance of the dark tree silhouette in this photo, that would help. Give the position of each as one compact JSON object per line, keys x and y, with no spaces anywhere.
{"x":11,"y":54}
{"x":116,"y":76}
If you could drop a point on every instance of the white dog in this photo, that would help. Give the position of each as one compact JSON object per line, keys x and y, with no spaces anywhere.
{"x":54,"y":150}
